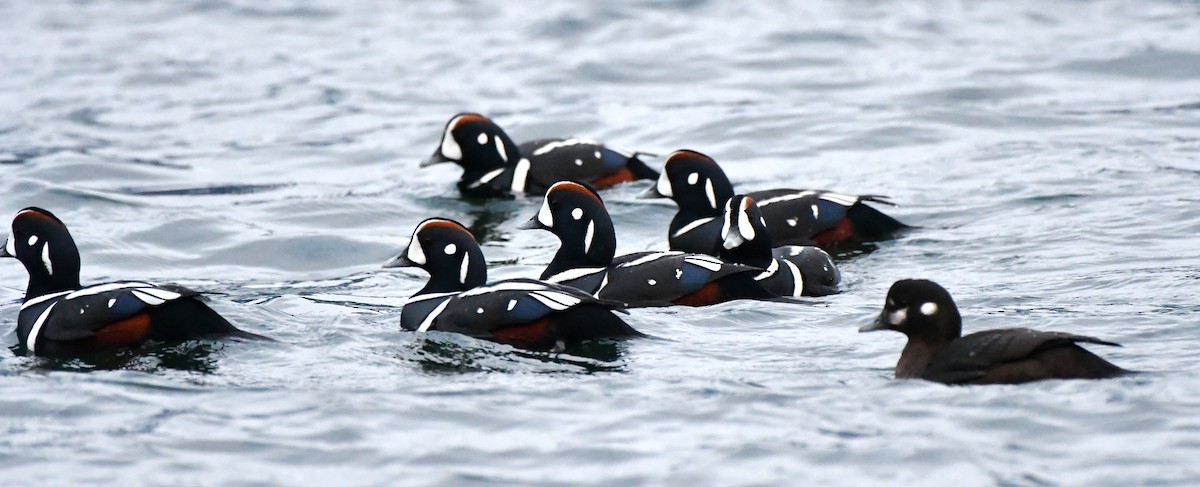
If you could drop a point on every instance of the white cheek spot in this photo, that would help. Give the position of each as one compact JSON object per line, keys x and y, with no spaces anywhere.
{"x":545,"y":217}
{"x":578,"y":162}
{"x":651,"y":282}
{"x":597,"y":154}
{"x":664,"y":185}
{"x":482,"y":138}
{"x":46,"y":259}
{"x":512,"y":303}
{"x":928,"y":309}
{"x":450,"y":249}
{"x":415,"y":253}
{"x":32,"y":240}
{"x":479,"y":311}
{"x":693,"y":178}
{"x":577,"y":213}
{"x":898,"y":317}
{"x":816,"y":212}
{"x":678,"y":274}
{"x":111,"y":302}
{"x":708,"y":191}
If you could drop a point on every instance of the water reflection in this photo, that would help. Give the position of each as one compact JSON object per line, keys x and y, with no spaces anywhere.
{"x":190,"y":356}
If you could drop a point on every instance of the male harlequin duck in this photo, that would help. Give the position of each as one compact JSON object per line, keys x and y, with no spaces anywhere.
{"x":578,"y":217}
{"x":794,"y":217}
{"x":792,"y":270}
{"x":524,"y":313}
{"x":937,"y":352}
{"x":61,"y":318}
{"x":493,"y":165}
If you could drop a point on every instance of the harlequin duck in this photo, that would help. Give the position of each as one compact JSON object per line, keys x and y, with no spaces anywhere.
{"x":585,"y":260}
{"x":524,"y":313}
{"x":791,"y":270}
{"x":493,"y":165}
{"x":61,"y":318}
{"x":937,"y":352}
{"x":794,"y":217}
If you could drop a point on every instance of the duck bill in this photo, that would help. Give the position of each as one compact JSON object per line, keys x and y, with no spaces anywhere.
{"x":436,"y":158}
{"x":4,"y":252}
{"x":531,"y":224}
{"x":400,"y":261}
{"x":651,"y":193}
{"x":876,"y":325}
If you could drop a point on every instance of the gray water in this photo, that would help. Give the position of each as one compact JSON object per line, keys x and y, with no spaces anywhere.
{"x":266,"y":152}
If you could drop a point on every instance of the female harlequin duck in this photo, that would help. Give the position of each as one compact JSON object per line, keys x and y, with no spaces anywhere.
{"x":495,"y":166}
{"x":793,"y":216}
{"x":524,"y":313}
{"x":61,"y":318}
{"x":577,"y":216}
{"x":791,"y":270}
{"x":937,"y":352}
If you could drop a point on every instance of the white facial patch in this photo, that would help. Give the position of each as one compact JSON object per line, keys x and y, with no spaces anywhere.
{"x":415,"y":253}
{"x":664,"y":185}
{"x":33,"y":240}
{"x":545,"y":217}
{"x":708,"y":191}
{"x":462,"y":269}
{"x":482,"y":139}
{"x":450,"y":148}
{"x":744,"y":226}
{"x":46,"y":259}
{"x":450,"y":249}
{"x":928,"y":309}
{"x":898,"y":317}
{"x":577,"y":213}
{"x":693,"y":178}
{"x":10,"y":246}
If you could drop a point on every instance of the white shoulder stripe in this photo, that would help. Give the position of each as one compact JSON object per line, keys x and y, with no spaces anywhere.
{"x":570,"y":274}
{"x":112,"y":286}
{"x":706,"y":261}
{"x":561,"y":143}
{"x":692,"y":226}
{"x":649,"y":258}
{"x":798,"y":287}
{"x":841,"y":199}
{"x":43,"y":298}
{"x":785,"y":197}
{"x":31,"y":341}
{"x":428,"y":322}
{"x":425,"y":297}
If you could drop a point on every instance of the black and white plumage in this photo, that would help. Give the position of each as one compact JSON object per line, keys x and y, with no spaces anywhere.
{"x":586,"y":259}
{"x":791,"y":270}
{"x":937,"y":351}
{"x":60,"y":318}
{"x":493,"y":165}
{"x":794,"y":217}
{"x":524,"y":313}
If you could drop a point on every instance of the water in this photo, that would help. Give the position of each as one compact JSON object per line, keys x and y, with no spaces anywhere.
{"x":267,"y":151}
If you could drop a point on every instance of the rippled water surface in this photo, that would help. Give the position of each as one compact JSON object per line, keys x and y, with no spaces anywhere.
{"x":266,"y":152}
